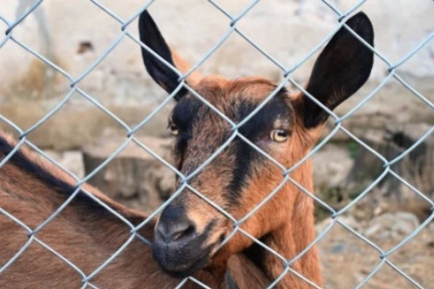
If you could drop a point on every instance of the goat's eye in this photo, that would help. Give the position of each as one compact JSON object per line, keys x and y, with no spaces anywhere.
{"x":173,"y":129}
{"x":279,"y":135}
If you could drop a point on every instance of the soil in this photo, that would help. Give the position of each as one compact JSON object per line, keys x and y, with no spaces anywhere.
{"x":347,"y":260}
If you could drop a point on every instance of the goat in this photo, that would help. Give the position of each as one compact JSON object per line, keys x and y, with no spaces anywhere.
{"x":188,"y":233}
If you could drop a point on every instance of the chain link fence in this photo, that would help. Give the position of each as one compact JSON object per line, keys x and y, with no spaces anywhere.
{"x":124,"y":25}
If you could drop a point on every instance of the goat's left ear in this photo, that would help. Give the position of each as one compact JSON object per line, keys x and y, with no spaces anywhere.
{"x":151,"y":36}
{"x":340,"y":70}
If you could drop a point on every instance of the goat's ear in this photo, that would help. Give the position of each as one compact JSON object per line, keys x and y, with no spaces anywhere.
{"x":151,"y":36}
{"x":340,"y":70}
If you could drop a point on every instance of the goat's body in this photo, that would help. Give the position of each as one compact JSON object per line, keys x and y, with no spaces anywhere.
{"x":86,"y":241}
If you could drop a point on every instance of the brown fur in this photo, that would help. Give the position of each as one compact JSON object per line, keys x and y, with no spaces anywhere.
{"x":184,"y":67}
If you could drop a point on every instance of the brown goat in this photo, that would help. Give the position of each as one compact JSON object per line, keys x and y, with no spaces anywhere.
{"x":188,"y":234}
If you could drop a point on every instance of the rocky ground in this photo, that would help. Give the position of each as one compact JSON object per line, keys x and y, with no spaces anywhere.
{"x":347,"y":260}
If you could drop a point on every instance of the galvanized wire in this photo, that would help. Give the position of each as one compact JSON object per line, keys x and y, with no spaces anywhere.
{"x":287,"y":73}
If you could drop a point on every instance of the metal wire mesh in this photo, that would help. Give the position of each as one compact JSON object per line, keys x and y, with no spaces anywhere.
{"x":287,"y":72}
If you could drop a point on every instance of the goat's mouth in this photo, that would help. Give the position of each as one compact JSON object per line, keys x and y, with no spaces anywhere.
{"x":182,"y":260}
{"x":179,"y":248}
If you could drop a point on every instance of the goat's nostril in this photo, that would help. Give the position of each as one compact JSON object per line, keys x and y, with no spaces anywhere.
{"x":175,"y":231}
{"x":183,"y":233}
{"x":174,"y":225}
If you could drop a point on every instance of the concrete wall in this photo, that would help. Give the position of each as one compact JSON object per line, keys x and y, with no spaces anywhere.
{"x":74,"y":34}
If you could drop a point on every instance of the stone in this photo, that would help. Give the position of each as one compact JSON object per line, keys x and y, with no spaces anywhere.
{"x":347,"y":260}
{"x":415,"y":168}
{"x":392,"y":226}
{"x":347,"y":219}
{"x":134,"y":177}
{"x":73,"y":126}
{"x":331,"y":165}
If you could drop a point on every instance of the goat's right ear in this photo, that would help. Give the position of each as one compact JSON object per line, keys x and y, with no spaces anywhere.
{"x":150,"y":36}
{"x":340,"y":70}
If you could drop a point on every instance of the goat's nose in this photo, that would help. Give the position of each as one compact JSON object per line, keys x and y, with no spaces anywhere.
{"x":174,"y":225}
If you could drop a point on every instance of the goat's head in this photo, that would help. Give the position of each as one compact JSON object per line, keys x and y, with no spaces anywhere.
{"x":238,"y":178}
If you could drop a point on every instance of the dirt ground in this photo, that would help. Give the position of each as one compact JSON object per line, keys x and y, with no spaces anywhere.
{"x":347,"y":260}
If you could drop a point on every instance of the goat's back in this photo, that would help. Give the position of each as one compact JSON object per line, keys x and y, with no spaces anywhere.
{"x":83,"y":235}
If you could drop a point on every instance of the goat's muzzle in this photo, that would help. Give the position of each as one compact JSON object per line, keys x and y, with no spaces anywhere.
{"x":178,"y":248}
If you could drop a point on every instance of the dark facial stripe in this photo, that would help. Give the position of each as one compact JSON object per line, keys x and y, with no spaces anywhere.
{"x":259,"y":125}
{"x":185,"y":112}
{"x":242,"y":168}
{"x":183,"y":116}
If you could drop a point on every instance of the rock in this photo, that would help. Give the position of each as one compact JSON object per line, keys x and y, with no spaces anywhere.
{"x":331,"y":165}
{"x":346,"y":219}
{"x":416,"y":168}
{"x":134,"y":177}
{"x":75,"y":126}
{"x":347,"y":260}
{"x":391,"y":226}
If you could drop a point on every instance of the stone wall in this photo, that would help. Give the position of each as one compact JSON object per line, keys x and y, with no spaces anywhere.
{"x":75,"y":34}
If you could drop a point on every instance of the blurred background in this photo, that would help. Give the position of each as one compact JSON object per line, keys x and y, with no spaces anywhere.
{"x":76,"y":35}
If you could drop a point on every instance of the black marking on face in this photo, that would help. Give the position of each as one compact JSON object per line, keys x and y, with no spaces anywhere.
{"x":183,"y":116}
{"x":256,"y":129}
{"x":184,"y":113}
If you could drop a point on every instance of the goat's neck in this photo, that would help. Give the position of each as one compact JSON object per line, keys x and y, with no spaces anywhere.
{"x":292,"y":238}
